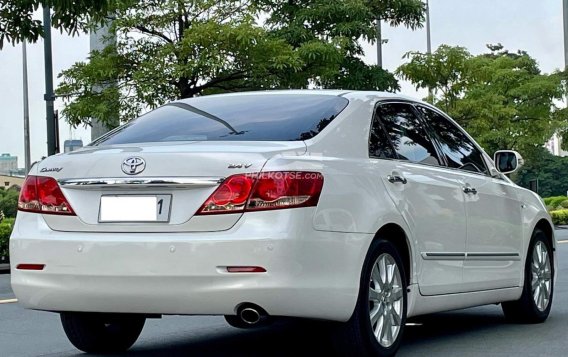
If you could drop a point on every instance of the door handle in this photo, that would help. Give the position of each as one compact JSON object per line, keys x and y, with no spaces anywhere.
{"x":471,"y":190}
{"x":396,"y":178}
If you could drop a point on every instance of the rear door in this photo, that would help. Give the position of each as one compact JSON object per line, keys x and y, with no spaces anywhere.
{"x":494,"y":229}
{"x":428,"y":196}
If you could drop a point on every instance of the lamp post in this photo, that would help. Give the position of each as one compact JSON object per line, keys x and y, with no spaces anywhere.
{"x":565,"y":16}
{"x":379,"y":44}
{"x":565,"y":12}
{"x":428,"y":37}
{"x":49,"y":96}
{"x":26,"y":109}
{"x":99,"y":39}
{"x":429,"y":46}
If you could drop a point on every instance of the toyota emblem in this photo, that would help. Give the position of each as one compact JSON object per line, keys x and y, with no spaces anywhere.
{"x":133,"y":165}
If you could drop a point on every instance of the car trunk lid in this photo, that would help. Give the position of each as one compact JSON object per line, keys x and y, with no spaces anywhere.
{"x":179,"y":177}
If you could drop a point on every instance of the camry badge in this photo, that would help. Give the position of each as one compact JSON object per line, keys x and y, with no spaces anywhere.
{"x":133,"y":165}
{"x":239,"y":166}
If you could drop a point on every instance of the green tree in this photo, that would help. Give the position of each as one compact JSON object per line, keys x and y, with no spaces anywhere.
{"x":175,"y":49}
{"x":17,"y":22}
{"x":338,"y":25}
{"x":500,"y":97}
{"x":550,"y":171}
{"x":444,"y":71}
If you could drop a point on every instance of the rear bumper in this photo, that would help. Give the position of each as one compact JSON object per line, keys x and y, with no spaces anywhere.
{"x":309,"y":273}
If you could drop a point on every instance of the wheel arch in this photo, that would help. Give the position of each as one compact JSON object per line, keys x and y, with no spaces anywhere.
{"x":545,"y":226}
{"x":395,"y":234}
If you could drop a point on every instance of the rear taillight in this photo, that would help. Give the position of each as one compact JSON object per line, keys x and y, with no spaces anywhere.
{"x":275,"y":190}
{"x":42,"y":194}
{"x":230,"y":197}
{"x":264,"y":191}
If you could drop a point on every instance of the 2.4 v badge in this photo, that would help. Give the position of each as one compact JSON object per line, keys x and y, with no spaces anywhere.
{"x":133,"y":165}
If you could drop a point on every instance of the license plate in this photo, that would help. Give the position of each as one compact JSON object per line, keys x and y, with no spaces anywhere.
{"x":128,"y":208}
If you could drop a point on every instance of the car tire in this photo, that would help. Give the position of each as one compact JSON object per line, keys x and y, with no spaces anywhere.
{"x":102,"y":333}
{"x":536,"y":299}
{"x":381,"y":306}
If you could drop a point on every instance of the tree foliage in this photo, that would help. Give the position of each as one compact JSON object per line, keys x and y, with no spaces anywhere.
{"x":17,"y":22}
{"x":550,"y":171}
{"x":175,"y":49}
{"x":6,"y":227}
{"x":9,"y":202}
{"x":338,"y":25}
{"x":500,"y":97}
{"x":444,"y":71}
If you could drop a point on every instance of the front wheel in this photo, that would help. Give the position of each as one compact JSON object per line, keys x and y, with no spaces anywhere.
{"x":102,"y":333}
{"x":536,"y":299}
{"x":377,"y":324}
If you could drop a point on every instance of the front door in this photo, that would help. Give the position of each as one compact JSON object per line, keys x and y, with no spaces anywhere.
{"x":494,"y":231}
{"x":494,"y":234}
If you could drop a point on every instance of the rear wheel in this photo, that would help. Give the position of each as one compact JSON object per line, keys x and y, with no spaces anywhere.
{"x":377,"y":324}
{"x":536,"y":300}
{"x":102,"y":333}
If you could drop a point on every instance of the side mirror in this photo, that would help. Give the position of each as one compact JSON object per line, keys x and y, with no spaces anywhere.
{"x":508,"y":161}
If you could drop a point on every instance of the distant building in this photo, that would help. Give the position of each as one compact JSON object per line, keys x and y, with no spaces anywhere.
{"x":72,"y":145}
{"x":8,"y":164}
{"x":11,"y":181}
{"x":554,"y":146}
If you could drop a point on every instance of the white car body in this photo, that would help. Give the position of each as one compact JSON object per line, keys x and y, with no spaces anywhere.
{"x":461,"y":250}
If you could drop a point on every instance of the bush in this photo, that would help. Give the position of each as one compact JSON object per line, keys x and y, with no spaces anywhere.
{"x":9,"y":202}
{"x":554,"y":201}
{"x":559,"y":216}
{"x":5,"y":231}
{"x":547,"y":200}
{"x":564,"y":204}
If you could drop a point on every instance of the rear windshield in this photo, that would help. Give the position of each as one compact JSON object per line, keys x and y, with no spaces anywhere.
{"x":262,"y":117}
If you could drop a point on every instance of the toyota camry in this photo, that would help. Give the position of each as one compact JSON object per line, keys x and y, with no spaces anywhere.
{"x":357,"y":208}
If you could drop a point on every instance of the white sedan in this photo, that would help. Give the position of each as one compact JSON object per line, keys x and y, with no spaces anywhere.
{"x":360,"y":208}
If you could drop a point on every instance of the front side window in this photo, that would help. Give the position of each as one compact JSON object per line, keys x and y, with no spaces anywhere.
{"x":263,"y":117}
{"x":407,"y":134}
{"x":458,"y":149}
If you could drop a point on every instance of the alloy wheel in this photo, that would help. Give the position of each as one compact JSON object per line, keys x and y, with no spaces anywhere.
{"x":541,"y":272}
{"x":386,"y":300}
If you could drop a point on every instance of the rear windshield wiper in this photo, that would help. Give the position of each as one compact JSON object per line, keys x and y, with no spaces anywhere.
{"x":206,"y":115}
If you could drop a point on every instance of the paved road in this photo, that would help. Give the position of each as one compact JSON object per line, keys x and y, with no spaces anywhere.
{"x":472,"y":332}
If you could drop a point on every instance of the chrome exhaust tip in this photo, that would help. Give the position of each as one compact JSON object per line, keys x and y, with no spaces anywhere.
{"x":250,"y":316}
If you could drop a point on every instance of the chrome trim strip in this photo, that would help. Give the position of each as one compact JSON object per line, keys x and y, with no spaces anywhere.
{"x":493,"y":256}
{"x":443,"y":256}
{"x":125,"y":182}
{"x":471,"y":256}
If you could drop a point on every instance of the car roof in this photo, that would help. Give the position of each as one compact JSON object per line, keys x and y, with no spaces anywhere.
{"x":349,"y":94}
{"x":366,"y":95}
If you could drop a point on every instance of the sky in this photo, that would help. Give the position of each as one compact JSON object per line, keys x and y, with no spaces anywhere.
{"x":531,"y":25}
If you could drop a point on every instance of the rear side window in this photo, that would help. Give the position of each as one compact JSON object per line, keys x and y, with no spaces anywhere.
{"x":407,"y":134}
{"x":459,"y":150}
{"x":266,"y":117}
{"x":379,"y":143}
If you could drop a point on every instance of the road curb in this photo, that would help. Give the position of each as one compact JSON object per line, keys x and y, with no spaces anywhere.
{"x":4,"y":268}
